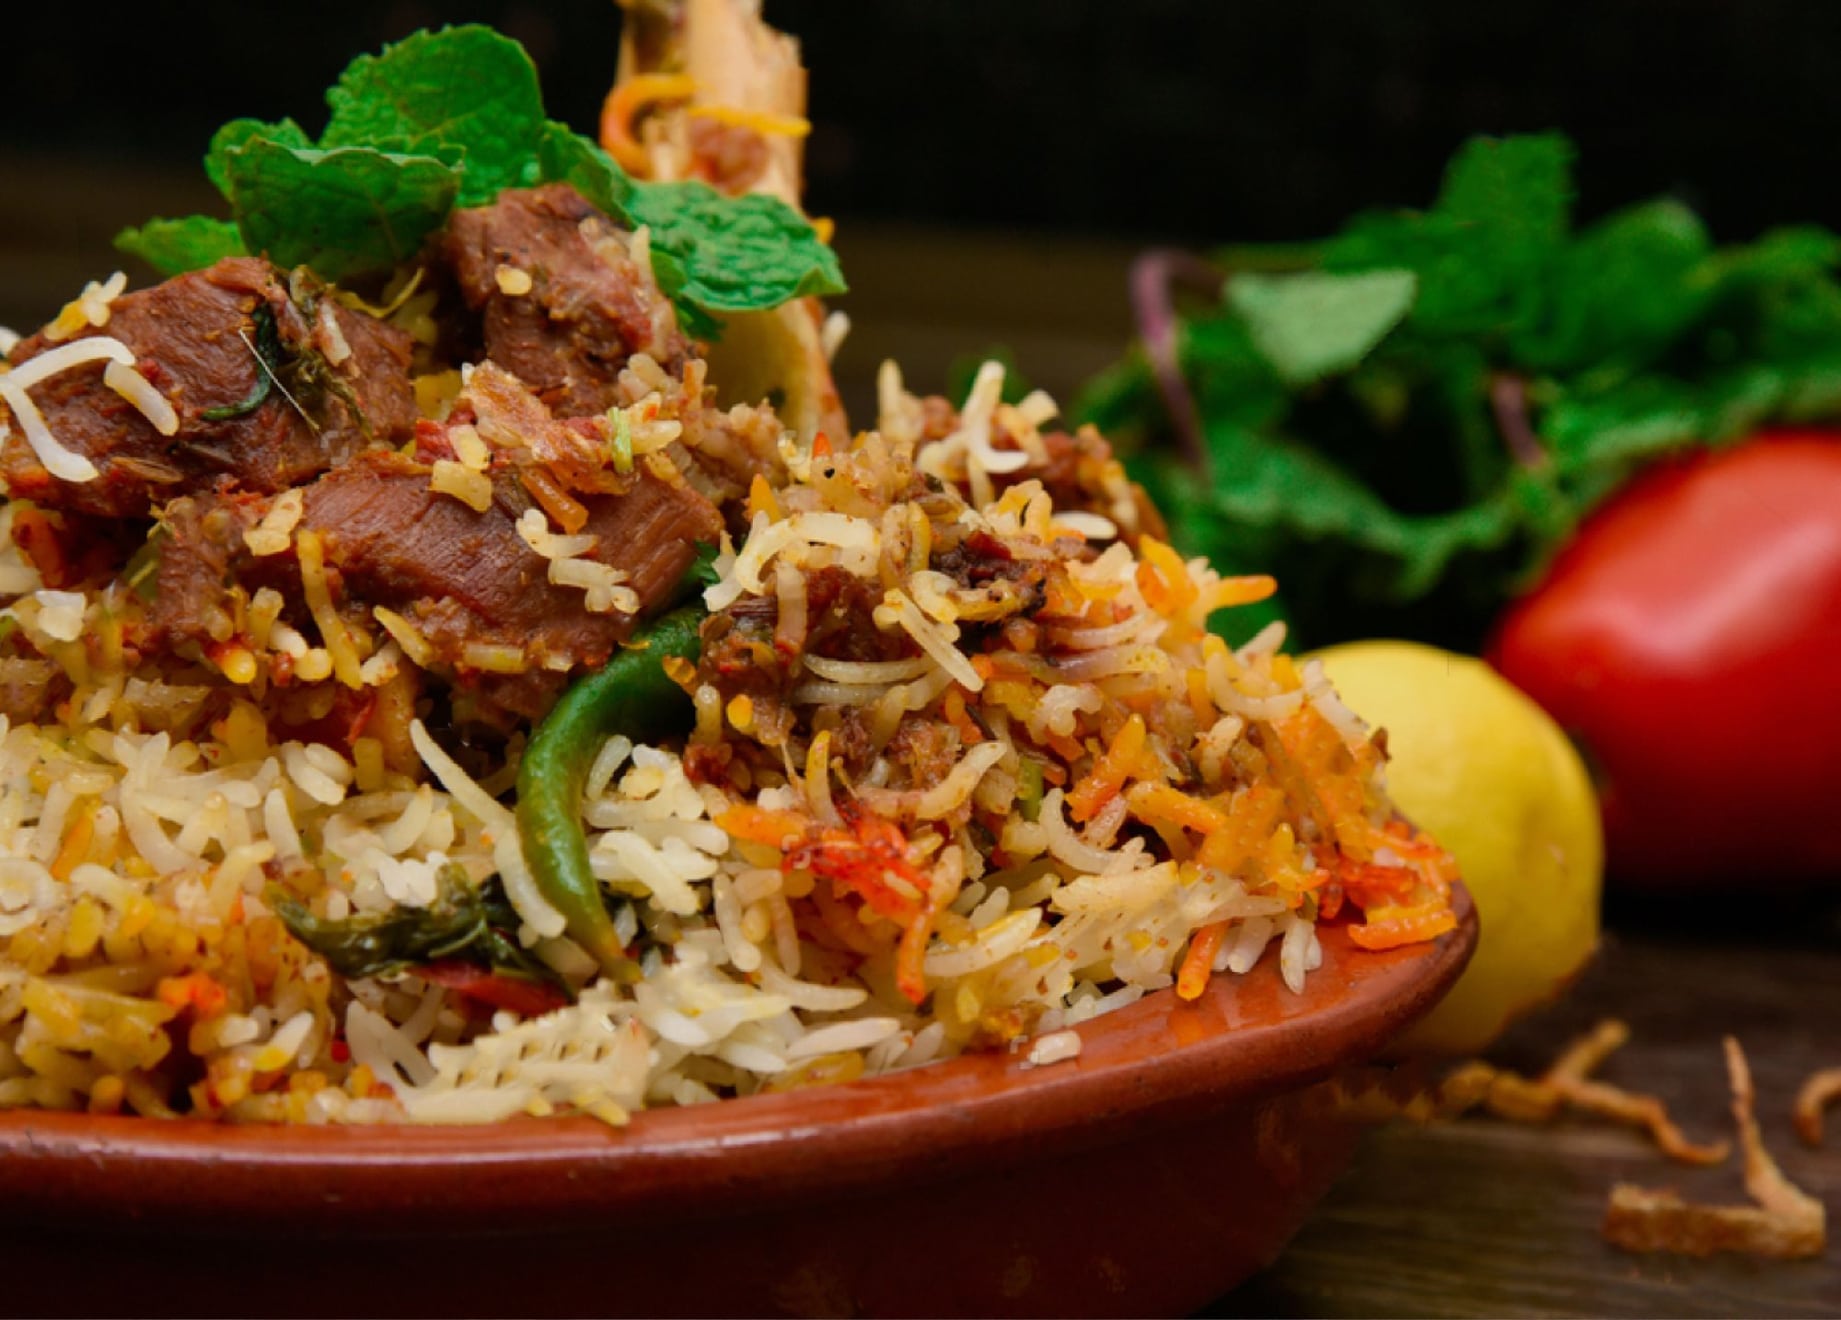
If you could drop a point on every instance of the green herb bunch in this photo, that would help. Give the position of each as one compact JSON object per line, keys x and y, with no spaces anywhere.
{"x":451,"y":118}
{"x":1403,"y":421}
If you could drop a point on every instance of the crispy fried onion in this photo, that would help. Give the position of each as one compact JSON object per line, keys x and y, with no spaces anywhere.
{"x":1569,"y":1083}
{"x":1786,"y":1223}
{"x":1817,"y":1093}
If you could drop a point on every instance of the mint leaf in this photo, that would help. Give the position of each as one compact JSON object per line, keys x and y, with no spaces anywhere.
{"x":1813,"y":390}
{"x":1403,"y":472}
{"x":739,"y":254}
{"x":344,"y":211}
{"x":1233,"y":381}
{"x":1428,"y":544}
{"x":1314,"y":325}
{"x":1482,"y":250}
{"x":239,"y":133}
{"x":712,"y":254}
{"x":455,"y":117}
{"x":1518,"y":190}
{"x":1265,"y":483}
{"x":464,"y":95}
{"x":1782,"y":256}
{"x":1623,"y":291}
{"x":565,"y":156}
{"x":1270,"y":482}
{"x":173,"y":247}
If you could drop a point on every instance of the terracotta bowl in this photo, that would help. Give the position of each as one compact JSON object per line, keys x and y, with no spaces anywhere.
{"x":1172,"y":1159}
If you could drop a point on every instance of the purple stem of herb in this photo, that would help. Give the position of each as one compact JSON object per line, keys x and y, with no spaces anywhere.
{"x":1155,"y":276}
{"x":1508,"y":397}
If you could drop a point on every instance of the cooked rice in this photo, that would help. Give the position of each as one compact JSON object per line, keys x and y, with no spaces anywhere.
{"x":1080,"y":781}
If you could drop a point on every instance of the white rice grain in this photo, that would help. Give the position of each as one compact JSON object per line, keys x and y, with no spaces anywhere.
{"x":1055,"y":1047}
{"x":858,"y":1034}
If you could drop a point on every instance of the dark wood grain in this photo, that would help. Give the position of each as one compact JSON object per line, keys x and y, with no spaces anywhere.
{"x":1481,"y":1217}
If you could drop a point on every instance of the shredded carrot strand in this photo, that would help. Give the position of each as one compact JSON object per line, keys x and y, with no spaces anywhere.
{"x":564,"y":509}
{"x":1155,"y":803}
{"x":196,"y":990}
{"x":761,"y":121}
{"x":1103,"y":782}
{"x":1415,"y":927}
{"x":1229,"y":592}
{"x":76,"y":844}
{"x":761,"y":499}
{"x":910,"y":974}
{"x":1251,"y":817}
{"x":953,"y":708}
{"x":1199,"y":962}
{"x":1201,"y":705}
{"x":776,"y":829}
{"x":620,"y":112}
{"x":1163,"y":578}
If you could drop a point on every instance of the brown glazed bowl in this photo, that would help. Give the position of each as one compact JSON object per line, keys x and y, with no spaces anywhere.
{"x":1172,"y":1159}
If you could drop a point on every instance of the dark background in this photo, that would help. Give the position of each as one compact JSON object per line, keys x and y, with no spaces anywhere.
{"x":994,"y":163}
{"x":1193,"y":119}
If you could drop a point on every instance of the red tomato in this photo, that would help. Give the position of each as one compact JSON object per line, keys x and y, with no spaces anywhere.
{"x":1690,"y":638}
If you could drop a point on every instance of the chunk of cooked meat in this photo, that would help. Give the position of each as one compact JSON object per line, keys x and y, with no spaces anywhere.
{"x":196,"y":338}
{"x":514,"y":421}
{"x":464,"y":579}
{"x":745,"y":653}
{"x":200,"y":551}
{"x":71,"y":551}
{"x":588,"y":307}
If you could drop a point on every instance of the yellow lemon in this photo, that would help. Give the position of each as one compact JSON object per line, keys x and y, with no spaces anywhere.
{"x":1492,"y":778}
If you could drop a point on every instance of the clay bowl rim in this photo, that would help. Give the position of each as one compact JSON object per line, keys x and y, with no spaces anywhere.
{"x":1150,"y":1063}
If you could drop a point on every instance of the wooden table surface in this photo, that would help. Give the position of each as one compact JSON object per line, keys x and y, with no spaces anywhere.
{"x":1483,"y":1217}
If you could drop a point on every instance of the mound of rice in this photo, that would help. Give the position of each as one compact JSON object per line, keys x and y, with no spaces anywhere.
{"x":967,"y":770}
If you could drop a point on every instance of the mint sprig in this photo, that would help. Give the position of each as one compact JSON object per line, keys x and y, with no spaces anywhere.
{"x":452,"y":118}
{"x":1404,"y":420}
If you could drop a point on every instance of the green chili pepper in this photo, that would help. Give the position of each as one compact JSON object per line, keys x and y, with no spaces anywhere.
{"x":632,"y":695}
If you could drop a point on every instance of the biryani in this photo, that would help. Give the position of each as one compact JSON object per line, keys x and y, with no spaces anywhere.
{"x":490,"y":679}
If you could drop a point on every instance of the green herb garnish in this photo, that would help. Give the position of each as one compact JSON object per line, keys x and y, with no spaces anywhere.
{"x":451,"y":118}
{"x":466,"y":921}
{"x":1404,"y":420}
{"x":267,"y":349}
{"x":702,"y":571}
